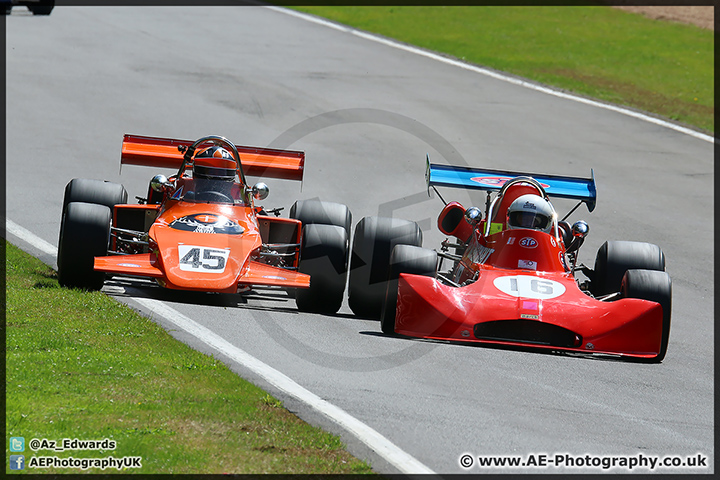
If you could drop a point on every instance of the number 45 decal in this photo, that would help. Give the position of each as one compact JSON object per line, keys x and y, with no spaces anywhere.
{"x":202,"y":259}
{"x":527,"y":286}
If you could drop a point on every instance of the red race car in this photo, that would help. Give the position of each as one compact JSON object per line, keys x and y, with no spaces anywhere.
{"x":201,"y":230}
{"x":514,"y":278}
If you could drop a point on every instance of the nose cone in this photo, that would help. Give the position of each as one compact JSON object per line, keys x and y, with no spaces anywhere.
{"x":204,"y":251}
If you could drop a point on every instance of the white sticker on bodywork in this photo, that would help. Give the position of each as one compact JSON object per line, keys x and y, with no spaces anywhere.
{"x":527,"y":264}
{"x":527,"y":286}
{"x":202,"y":259}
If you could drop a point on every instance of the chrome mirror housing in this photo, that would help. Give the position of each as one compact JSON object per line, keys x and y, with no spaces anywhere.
{"x":260,"y":191}
{"x":161,"y":184}
{"x":580,"y":229}
{"x":473,"y":216}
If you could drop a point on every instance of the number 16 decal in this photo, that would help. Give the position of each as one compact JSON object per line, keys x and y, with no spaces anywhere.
{"x":202,"y":259}
{"x":526,"y":286}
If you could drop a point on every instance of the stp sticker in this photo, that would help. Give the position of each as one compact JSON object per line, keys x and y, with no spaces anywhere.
{"x":528,"y":242}
{"x":526,"y":286}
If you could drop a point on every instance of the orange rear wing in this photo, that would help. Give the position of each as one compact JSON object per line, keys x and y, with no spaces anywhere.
{"x":168,"y":153}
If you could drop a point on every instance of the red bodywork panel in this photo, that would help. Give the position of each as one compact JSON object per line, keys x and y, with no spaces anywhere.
{"x":164,"y":153}
{"x":523,"y":296}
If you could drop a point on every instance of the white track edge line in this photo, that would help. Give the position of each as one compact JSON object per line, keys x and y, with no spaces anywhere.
{"x":29,"y":237}
{"x":494,"y":74}
{"x":397,"y":457}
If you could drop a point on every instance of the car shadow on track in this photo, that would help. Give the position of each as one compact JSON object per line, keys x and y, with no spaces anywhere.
{"x":271,"y":299}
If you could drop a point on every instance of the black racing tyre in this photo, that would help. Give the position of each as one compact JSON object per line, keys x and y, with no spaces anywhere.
{"x":91,"y":191}
{"x":614,"y":258}
{"x":373,"y":242}
{"x":323,"y":256}
{"x":324,"y":213}
{"x":655,"y":286}
{"x":44,"y":7}
{"x":84,"y":236}
{"x":404,"y":259}
{"x":94,"y":191}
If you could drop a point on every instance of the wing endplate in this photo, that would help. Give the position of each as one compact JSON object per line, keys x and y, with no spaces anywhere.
{"x":577,"y":188}
{"x":256,"y":161}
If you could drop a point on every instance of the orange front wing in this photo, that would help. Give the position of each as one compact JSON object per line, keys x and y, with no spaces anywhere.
{"x":254,"y":273}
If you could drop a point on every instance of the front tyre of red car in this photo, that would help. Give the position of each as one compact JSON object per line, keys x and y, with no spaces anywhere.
{"x":655,"y":286}
{"x":85,"y":234}
{"x":323,"y":256}
{"x":404,"y":259}
{"x":614,"y":258}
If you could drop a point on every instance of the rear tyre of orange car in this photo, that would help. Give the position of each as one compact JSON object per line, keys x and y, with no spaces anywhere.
{"x":99,"y":192}
{"x":373,"y":242}
{"x":323,"y":256}
{"x":655,"y":286}
{"x":85,"y":235}
{"x":87,"y":190}
{"x":614,"y":258}
{"x":311,"y":212}
{"x":404,"y":259}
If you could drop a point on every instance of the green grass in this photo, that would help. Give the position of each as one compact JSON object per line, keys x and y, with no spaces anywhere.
{"x":656,"y":66}
{"x":81,"y":365}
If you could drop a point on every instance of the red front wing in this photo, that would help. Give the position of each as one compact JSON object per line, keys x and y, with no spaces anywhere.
{"x":538,"y":306}
{"x":482,"y":312}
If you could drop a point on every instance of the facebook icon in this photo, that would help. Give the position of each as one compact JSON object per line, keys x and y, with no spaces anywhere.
{"x":17,"y":462}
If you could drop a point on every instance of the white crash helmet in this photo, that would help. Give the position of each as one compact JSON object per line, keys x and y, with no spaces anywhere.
{"x":530,"y":211}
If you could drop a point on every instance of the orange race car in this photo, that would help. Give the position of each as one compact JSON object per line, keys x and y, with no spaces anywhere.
{"x":201,"y":230}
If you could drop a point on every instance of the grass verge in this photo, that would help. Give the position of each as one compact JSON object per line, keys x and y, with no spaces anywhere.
{"x":624,"y":58}
{"x":81,"y":366}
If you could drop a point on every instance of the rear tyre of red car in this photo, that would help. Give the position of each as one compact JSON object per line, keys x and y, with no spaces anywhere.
{"x":85,"y":235}
{"x":614,"y":258}
{"x":404,"y":259}
{"x":311,"y":212}
{"x":655,"y":286}
{"x":97,"y":192}
{"x":373,"y":242}
{"x":323,"y":256}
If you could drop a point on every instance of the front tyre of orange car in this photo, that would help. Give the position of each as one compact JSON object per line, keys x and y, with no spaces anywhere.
{"x":85,"y":234}
{"x":323,"y":256}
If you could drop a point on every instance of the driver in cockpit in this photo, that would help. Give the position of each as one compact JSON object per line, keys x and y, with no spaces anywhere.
{"x":530,"y":211}
{"x":214,"y":172}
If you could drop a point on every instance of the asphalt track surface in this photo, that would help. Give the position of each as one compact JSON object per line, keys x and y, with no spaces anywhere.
{"x":366,"y":114}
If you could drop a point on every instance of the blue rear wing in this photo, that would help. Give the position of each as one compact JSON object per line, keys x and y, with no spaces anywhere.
{"x":486,"y":179}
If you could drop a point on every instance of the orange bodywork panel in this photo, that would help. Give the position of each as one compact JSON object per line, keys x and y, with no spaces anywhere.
{"x":256,"y":273}
{"x":256,"y":161}
{"x":262,"y":274}
{"x":198,"y":257}
{"x":141,"y":265}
